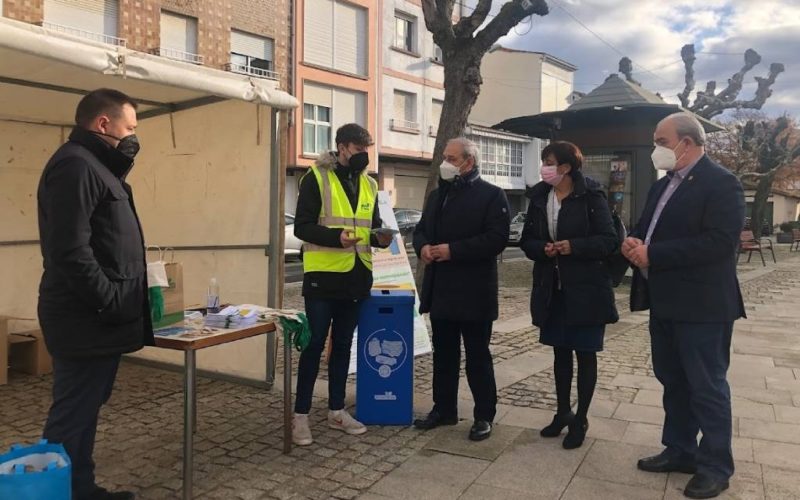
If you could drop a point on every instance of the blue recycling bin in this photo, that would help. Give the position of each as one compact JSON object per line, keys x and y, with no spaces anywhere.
{"x":385,"y":350}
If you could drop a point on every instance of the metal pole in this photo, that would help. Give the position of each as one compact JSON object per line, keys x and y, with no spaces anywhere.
{"x":287,"y":397}
{"x":275,"y":229}
{"x":189,"y":389}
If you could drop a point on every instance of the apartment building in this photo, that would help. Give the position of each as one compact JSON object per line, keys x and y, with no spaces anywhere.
{"x":412,"y":94}
{"x":335,"y":66}
{"x":242,"y":36}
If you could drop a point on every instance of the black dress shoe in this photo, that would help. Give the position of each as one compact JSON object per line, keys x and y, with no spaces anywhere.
{"x":576,"y":435}
{"x":560,"y":420}
{"x":668,"y":462}
{"x":480,"y":430}
{"x":434,"y":420}
{"x":703,"y":486}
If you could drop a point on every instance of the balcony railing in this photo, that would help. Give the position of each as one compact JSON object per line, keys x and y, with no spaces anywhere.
{"x":251,"y":71}
{"x":177,"y":55}
{"x":404,"y":125}
{"x":89,"y":35}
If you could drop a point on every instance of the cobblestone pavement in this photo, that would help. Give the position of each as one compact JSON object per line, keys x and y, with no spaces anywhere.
{"x":238,"y":444}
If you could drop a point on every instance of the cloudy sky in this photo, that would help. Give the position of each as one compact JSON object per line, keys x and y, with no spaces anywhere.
{"x":652,"y":32}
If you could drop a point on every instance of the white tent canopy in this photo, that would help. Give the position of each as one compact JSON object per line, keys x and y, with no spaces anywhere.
{"x":33,"y":59}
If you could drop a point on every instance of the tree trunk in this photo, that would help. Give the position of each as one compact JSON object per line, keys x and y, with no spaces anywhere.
{"x":462,"y":81}
{"x":760,"y":199}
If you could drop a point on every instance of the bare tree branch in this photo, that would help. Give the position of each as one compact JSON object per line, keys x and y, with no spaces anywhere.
{"x":751,"y":59}
{"x":509,"y":16}
{"x":764,"y":90}
{"x":438,"y":21}
{"x":467,"y":25}
{"x":626,"y":68}
{"x":687,"y":54}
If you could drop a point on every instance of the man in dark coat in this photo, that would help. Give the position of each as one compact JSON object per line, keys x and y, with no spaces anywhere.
{"x":684,"y":250}
{"x":464,"y":227}
{"x":93,"y":304}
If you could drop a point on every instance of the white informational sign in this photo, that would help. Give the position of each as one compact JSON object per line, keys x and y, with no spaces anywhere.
{"x":390,"y":266}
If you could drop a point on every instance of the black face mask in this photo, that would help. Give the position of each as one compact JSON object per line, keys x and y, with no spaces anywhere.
{"x":128,"y":145}
{"x":359,"y":161}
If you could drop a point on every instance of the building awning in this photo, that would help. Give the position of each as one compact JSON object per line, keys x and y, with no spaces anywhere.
{"x":43,"y":75}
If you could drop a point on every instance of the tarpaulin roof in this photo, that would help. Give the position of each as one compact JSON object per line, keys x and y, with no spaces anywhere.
{"x":40,"y":69}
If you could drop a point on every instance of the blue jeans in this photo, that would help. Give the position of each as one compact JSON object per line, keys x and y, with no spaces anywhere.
{"x":691,"y":361}
{"x":341,"y":316}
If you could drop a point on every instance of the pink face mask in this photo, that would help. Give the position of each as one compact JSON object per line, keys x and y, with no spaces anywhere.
{"x":550,"y":175}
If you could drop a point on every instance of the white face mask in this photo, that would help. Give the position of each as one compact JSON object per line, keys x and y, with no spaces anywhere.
{"x":664,"y":158}
{"x":448,"y":171}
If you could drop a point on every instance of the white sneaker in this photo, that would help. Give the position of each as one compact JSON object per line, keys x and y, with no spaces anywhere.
{"x":301,"y":432}
{"x":341,"y":420}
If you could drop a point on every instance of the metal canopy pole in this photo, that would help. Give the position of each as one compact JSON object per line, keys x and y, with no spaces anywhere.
{"x":275,"y":251}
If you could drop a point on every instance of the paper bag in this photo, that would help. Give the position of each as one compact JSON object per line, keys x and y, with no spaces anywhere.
{"x":173,"y":294}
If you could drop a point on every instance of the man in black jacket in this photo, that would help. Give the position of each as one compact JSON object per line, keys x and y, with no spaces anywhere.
{"x":338,"y":273}
{"x":684,"y":250}
{"x":464,"y":227}
{"x":93,"y":304}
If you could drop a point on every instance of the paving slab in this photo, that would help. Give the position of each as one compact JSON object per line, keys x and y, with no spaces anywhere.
{"x":649,"y":397}
{"x":742,"y":449}
{"x":529,"y":418}
{"x":787,"y":414}
{"x":603,"y":408}
{"x":639,"y":413}
{"x":776,"y":397}
{"x":618,"y":461}
{"x":609,"y":429}
{"x":582,"y":488}
{"x":553,"y":466}
{"x":792,"y":386}
{"x":769,"y":431}
{"x":432,"y":475}
{"x":637,"y":382}
{"x":512,"y":325}
{"x":454,"y":440}
{"x":780,"y":455}
{"x":483,"y":492}
{"x":642,"y":434}
{"x":745,"y":408}
{"x":780,"y":484}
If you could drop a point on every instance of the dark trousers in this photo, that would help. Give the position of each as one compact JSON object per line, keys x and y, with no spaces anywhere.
{"x":322,"y":313}
{"x":691,"y":361}
{"x":447,"y":364}
{"x":80,"y":388}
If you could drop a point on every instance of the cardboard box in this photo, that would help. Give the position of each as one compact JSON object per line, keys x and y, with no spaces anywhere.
{"x":23,"y":351}
{"x":28,"y":353}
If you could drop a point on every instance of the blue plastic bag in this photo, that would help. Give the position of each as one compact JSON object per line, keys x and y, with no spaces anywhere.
{"x":38,"y":472}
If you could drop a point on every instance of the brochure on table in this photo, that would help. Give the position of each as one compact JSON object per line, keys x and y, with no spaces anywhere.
{"x":390,"y":267}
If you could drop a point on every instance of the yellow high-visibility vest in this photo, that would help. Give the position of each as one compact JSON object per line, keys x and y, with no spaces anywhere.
{"x":336,"y":212}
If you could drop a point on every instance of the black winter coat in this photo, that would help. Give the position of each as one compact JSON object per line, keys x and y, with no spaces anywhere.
{"x":93,"y":294}
{"x":584,"y":220}
{"x":474,"y":221}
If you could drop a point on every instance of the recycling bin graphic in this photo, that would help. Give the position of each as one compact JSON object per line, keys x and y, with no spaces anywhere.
{"x":385,"y":375}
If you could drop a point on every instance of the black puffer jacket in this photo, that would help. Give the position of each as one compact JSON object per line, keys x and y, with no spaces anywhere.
{"x":584,"y":220}
{"x":93,"y":293}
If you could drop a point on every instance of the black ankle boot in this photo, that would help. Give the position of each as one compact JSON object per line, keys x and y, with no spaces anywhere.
{"x":577,"y":433}
{"x":560,"y":420}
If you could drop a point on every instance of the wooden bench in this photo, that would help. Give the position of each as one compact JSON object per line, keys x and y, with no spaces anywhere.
{"x":749,"y":243}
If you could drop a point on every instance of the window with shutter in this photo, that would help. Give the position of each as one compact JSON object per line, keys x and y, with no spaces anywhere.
{"x":92,"y":19}
{"x":405,"y":111}
{"x":318,"y":42}
{"x":179,"y":37}
{"x":252,"y":54}
{"x":335,"y":36}
{"x":405,"y":31}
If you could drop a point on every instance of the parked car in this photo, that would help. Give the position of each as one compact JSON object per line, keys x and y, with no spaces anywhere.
{"x":407,"y":219}
{"x":515,"y":233}
{"x":292,"y":246}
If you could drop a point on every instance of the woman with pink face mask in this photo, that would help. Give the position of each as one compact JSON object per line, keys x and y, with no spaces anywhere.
{"x":568,"y":234}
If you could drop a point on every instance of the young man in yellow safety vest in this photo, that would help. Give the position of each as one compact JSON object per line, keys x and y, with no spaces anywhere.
{"x":336,"y":209}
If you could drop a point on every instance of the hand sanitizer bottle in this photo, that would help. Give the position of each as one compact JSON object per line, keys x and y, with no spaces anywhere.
{"x":213,"y":296}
